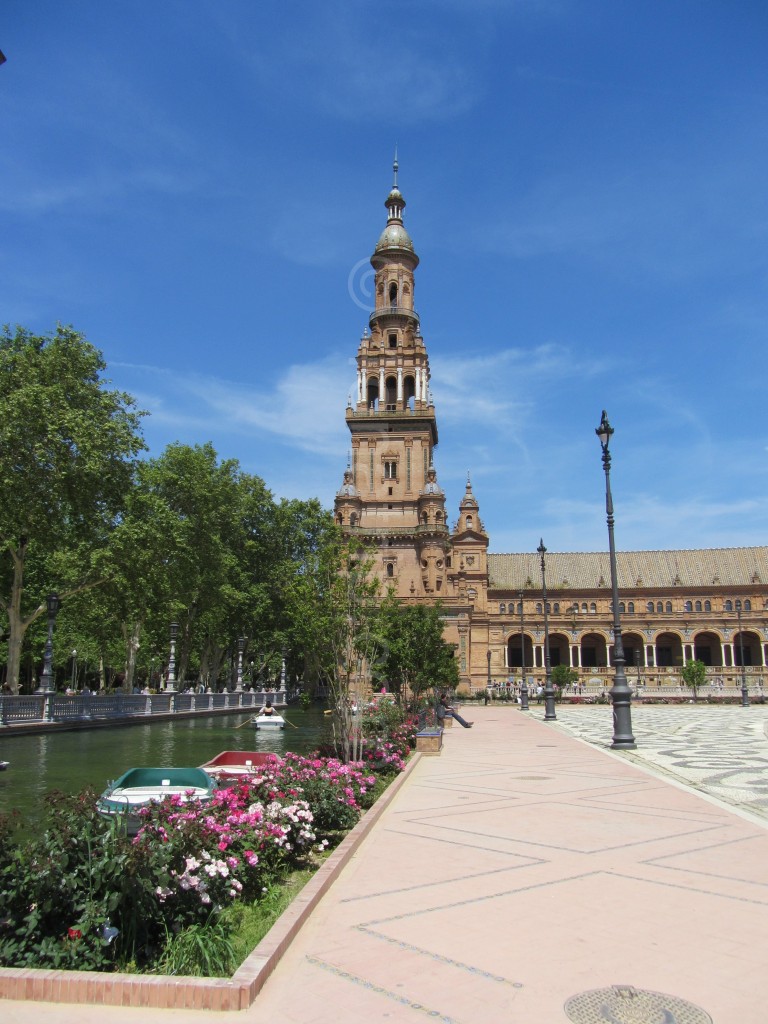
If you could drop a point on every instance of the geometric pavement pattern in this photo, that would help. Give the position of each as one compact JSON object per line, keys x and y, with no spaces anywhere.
{"x":721,"y":751}
{"x":517,"y":874}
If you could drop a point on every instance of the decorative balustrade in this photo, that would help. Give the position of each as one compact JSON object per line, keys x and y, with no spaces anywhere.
{"x":104,"y":707}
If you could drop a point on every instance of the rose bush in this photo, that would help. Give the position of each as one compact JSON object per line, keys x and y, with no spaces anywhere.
{"x":83,"y":895}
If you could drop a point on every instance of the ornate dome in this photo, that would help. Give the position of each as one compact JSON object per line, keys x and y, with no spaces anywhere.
{"x":347,"y":489}
{"x":394,"y":236}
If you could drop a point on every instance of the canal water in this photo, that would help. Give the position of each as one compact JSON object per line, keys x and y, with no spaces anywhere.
{"x":70,"y":761}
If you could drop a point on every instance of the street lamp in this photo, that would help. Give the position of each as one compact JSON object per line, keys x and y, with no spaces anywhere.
{"x":621,"y":695}
{"x":240,"y":649}
{"x":73,"y":685}
{"x":523,"y":684}
{"x":171,"y":685}
{"x":549,"y":693}
{"x":637,"y":665}
{"x":489,"y":682}
{"x":744,"y":690}
{"x":46,"y":680}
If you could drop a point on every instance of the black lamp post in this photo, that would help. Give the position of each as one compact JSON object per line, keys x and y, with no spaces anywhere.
{"x":549,"y":693}
{"x":73,"y":684}
{"x":523,"y":684}
{"x":489,"y":681}
{"x":621,"y":694}
{"x":172,"y":659}
{"x":637,"y":665}
{"x":46,"y":680}
{"x":744,"y":690}
{"x":240,"y":649}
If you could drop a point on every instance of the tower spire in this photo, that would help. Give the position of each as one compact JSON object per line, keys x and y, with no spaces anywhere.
{"x":394,"y":167}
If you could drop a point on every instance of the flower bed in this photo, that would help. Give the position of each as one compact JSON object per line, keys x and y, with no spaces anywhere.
{"x":82,"y":895}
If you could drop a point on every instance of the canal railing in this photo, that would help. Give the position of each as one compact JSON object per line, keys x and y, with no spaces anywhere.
{"x":96,"y":708}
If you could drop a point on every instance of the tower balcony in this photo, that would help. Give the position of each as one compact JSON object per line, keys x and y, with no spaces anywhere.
{"x":395,"y":312}
{"x":420,"y":530}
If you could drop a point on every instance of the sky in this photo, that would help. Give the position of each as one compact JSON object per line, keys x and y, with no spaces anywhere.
{"x":198,"y":185}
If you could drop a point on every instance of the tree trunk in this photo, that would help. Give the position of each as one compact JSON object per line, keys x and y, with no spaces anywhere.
{"x":17,"y":624}
{"x":132,"y":649}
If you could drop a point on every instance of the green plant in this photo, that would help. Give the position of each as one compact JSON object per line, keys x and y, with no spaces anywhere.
{"x":204,"y":949}
{"x":694,"y":674}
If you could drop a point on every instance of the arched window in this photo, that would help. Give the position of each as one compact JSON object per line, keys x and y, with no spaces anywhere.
{"x":340,"y":519}
{"x":631,"y":607}
{"x":584,"y":608}
{"x":659,"y":606}
{"x":424,"y":518}
{"x":390,"y":570}
{"x":688,"y":606}
{"x":707,"y":606}
{"x":622,"y":609}
{"x":592,"y":608}
{"x":502,"y":609}
{"x":649,"y":606}
{"x":538,"y":607}
{"x":468,"y":523}
{"x":557,"y":608}
{"x":669,"y":608}
{"x":392,"y":294}
{"x":353,"y":519}
{"x":729,"y":606}
{"x":747,"y":605}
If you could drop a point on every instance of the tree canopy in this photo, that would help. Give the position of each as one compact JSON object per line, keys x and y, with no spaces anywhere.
{"x":68,"y":446}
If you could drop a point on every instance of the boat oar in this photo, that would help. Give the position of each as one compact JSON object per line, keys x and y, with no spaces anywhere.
{"x":246,"y":722}
{"x":289,"y":723}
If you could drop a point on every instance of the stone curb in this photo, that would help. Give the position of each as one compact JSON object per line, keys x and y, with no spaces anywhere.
{"x":235,"y":993}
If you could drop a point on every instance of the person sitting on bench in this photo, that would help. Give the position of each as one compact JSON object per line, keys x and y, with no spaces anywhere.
{"x":446,"y":710}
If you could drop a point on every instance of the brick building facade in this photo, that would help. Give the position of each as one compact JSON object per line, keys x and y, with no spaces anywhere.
{"x":675,"y":605}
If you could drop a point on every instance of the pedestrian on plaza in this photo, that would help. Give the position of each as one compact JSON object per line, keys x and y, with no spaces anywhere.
{"x":445,"y":710}
{"x":539,"y":693}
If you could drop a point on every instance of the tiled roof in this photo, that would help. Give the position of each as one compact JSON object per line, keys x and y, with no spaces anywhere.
{"x":709,"y":567}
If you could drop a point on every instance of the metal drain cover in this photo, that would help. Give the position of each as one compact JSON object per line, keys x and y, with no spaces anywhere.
{"x":623,"y":1004}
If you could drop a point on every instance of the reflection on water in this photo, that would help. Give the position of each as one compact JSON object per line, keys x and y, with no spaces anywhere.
{"x":70,"y":761}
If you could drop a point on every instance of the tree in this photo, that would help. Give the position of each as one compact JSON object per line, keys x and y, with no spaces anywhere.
{"x":334,"y":601}
{"x":694,"y":674}
{"x":563,"y":676}
{"x":67,"y":455}
{"x":416,"y":657}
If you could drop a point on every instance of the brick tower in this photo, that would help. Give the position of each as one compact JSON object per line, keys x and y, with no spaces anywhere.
{"x":390,"y":496}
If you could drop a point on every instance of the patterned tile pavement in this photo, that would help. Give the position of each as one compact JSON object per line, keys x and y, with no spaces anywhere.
{"x":720,"y":751}
{"x":523,"y":874}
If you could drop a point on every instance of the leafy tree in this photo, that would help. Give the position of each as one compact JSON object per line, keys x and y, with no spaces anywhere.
{"x":694,"y":674}
{"x":563,"y":676}
{"x":67,"y":455}
{"x":416,"y":656}
{"x":334,"y":602}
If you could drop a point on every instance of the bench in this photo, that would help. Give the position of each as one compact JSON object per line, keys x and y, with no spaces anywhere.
{"x":429,"y":741}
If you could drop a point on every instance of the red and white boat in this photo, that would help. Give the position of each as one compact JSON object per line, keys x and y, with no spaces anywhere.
{"x":237,"y":764}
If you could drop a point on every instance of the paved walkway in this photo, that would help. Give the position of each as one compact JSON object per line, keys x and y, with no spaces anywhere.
{"x":524,"y":876}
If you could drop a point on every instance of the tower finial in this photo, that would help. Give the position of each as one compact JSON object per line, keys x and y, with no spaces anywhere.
{"x":394,"y":167}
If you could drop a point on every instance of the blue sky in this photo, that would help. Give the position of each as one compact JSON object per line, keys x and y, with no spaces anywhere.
{"x":197,"y":186}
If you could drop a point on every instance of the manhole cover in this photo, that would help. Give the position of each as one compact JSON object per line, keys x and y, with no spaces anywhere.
{"x":623,"y":1004}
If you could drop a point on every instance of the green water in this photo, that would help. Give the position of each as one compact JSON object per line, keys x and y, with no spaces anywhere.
{"x":70,"y":761}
